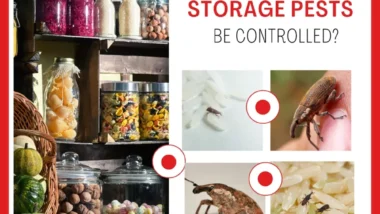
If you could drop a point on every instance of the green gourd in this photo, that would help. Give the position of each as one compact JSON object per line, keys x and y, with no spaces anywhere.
{"x":27,"y":161}
{"x":28,"y":194}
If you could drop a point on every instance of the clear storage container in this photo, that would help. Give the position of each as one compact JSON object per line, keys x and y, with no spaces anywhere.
{"x":154,"y":111}
{"x":120,"y":110}
{"x":129,"y":20}
{"x":51,"y":16}
{"x":80,"y":189}
{"x":105,"y":22}
{"x":133,"y":187}
{"x":155,"y":21}
{"x":81,"y":17}
{"x":62,"y":99}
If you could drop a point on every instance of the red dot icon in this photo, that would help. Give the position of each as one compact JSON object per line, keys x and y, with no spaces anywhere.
{"x":168,"y":161}
{"x":262,"y":107}
{"x":265,"y":178}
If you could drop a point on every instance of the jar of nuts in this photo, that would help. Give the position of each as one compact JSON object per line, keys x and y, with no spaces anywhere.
{"x":80,"y":188}
{"x":155,"y":19}
{"x":62,"y":99}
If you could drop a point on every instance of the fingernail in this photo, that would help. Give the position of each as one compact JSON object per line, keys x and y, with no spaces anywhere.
{"x":336,"y":133}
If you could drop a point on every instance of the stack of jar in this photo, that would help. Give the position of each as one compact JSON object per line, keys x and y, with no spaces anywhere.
{"x":148,"y":19}
{"x":132,"y":111}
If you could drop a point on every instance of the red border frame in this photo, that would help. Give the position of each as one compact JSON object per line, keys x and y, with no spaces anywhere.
{"x":375,"y":104}
{"x":4,"y":87}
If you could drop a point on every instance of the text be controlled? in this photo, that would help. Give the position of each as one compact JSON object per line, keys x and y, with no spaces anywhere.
{"x":266,"y":8}
{"x":277,"y":35}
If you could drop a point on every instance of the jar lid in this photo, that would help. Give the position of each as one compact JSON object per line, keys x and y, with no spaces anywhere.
{"x":71,"y":168}
{"x":132,"y":172}
{"x":120,"y":86}
{"x":63,"y":59}
{"x":154,"y":87}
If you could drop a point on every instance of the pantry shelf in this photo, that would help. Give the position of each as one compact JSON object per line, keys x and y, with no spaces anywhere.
{"x":112,"y":143}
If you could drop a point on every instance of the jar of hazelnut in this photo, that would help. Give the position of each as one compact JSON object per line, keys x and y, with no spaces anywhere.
{"x":79,"y":186}
{"x":156,"y":19}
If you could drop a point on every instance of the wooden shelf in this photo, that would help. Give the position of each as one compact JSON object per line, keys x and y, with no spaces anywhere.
{"x":112,"y":143}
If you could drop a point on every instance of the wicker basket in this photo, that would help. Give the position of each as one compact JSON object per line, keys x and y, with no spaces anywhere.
{"x":28,"y":121}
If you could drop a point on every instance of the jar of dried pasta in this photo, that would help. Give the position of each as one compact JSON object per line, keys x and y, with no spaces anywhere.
{"x":154,"y":111}
{"x":120,"y":110}
{"x":62,"y":99}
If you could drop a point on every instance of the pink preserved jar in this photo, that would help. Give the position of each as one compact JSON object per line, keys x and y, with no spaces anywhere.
{"x":81,"y":17}
{"x":51,"y":16}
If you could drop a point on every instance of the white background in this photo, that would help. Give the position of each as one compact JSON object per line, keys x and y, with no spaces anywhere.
{"x":233,"y":175}
{"x":192,"y":48}
{"x":242,"y":134}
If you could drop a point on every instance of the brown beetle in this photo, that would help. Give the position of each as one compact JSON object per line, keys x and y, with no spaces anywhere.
{"x":320,"y":94}
{"x":227,"y":199}
{"x":213,"y":111}
{"x":323,"y":208}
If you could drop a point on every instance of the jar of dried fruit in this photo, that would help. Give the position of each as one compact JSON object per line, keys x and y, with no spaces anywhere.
{"x":154,"y":111}
{"x":120,"y":110}
{"x":129,"y":20}
{"x":156,"y":23}
{"x":79,"y":187}
{"x":105,"y":21}
{"x":81,"y":17}
{"x":51,"y":16}
{"x":62,"y":99}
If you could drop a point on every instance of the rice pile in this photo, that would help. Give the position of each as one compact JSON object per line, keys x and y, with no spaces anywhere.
{"x":331,"y":182}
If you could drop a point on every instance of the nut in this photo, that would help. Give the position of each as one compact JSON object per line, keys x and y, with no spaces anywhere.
{"x":161,"y":12}
{"x":152,"y":35}
{"x":163,"y":26}
{"x":96,"y":187}
{"x":72,"y":212}
{"x":74,"y":199}
{"x":85,"y":197}
{"x":96,"y":211}
{"x":66,"y":207}
{"x":78,"y":188}
{"x":163,"y":31}
{"x":62,"y":196}
{"x":149,"y":28}
{"x":82,"y":209}
{"x":67,"y":190}
{"x":145,"y":34}
{"x":154,"y":23}
{"x":151,"y":13}
{"x":90,"y":212}
{"x":96,"y":194}
{"x":96,"y":203}
{"x":157,"y":29}
{"x":160,"y":36}
{"x":157,"y":17}
{"x":165,"y":8}
{"x":62,"y":186}
{"x":164,"y":19}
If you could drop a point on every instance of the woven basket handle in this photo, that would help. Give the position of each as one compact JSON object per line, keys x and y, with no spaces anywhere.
{"x":35,"y":133}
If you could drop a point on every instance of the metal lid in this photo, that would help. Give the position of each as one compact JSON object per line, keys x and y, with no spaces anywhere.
{"x":120,"y":86}
{"x":132,"y":172}
{"x":63,"y":60}
{"x":70,"y":168}
{"x":154,"y":87}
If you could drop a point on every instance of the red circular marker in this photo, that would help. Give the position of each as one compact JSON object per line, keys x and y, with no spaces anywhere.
{"x":265,"y":178}
{"x":168,"y":162}
{"x":262,"y":107}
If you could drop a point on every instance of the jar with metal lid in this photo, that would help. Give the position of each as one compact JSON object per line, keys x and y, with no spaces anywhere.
{"x":154,"y":111}
{"x":62,"y":99}
{"x":120,"y":110}
{"x":156,"y":19}
{"x":105,"y":21}
{"x":129,"y":19}
{"x":133,"y":187}
{"x":79,"y":186}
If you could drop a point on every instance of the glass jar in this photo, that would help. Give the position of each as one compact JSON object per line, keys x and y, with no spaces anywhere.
{"x":105,"y":19}
{"x":120,"y":110}
{"x":81,"y":17}
{"x":154,"y":111}
{"x":133,"y":187}
{"x":16,"y":24}
{"x":62,"y":99}
{"x":129,"y":20}
{"x":79,"y":186}
{"x":51,"y":16}
{"x":156,"y":19}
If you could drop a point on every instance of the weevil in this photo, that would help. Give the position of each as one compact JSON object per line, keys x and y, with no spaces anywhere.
{"x":213,"y":111}
{"x":319,"y":94}
{"x":306,"y":199}
{"x":227,"y":199}
{"x":323,"y":208}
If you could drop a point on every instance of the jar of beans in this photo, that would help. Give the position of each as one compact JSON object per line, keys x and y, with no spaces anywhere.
{"x":154,"y":111}
{"x":155,"y":21}
{"x":120,"y":110}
